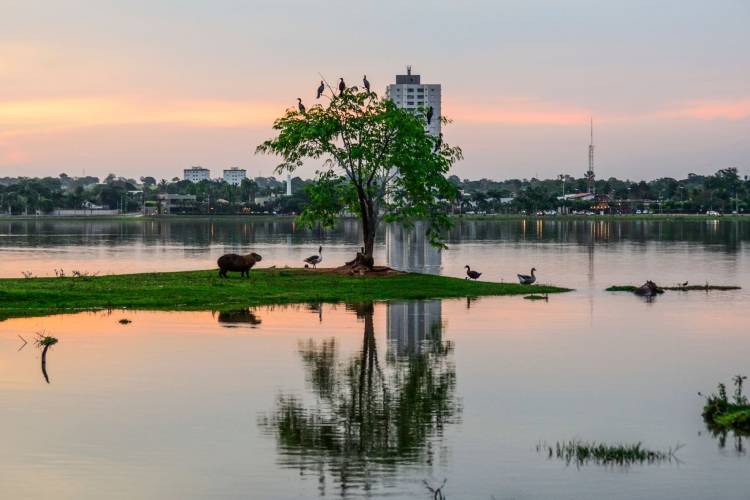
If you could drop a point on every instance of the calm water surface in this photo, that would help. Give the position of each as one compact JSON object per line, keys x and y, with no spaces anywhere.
{"x":357,"y":400}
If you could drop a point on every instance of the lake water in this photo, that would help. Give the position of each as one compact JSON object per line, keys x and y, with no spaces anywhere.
{"x":334,"y":401}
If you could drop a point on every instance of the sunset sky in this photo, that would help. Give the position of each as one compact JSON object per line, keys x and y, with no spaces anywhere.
{"x":151,"y":87}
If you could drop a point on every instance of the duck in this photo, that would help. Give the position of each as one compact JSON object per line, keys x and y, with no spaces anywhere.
{"x":472,"y":275}
{"x":525,"y":279}
{"x":315,"y":259}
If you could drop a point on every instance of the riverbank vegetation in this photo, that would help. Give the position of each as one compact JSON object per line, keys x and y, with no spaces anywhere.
{"x":724,"y":413}
{"x":204,"y":290}
{"x":679,"y":288}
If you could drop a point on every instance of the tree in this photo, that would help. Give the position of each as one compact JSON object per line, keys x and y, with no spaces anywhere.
{"x":378,"y":162}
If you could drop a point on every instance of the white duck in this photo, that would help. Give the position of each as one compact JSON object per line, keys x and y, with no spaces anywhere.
{"x":525,"y":279}
{"x":315,"y":259}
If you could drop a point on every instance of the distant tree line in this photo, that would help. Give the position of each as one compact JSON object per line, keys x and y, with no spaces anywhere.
{"x":724,"y":191}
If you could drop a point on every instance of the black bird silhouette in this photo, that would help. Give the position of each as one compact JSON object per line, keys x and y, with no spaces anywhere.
{"x":300,"y":105}
{"x":429,"y":115}
{"x":472,"y":275}
{"x":342,"y":86}
{"x":366,"y":83}
{"x":439,"y":142}
{"x":320,"y":89}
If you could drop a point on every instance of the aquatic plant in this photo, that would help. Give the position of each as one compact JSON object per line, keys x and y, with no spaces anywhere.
{"x":45,"y":342}
{"x":688,"y":288}
{"x":584,"y":452}
{"x":720,"y":412}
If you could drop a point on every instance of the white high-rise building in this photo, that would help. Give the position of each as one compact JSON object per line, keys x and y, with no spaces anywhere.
{"x":234,"y":176}
{"x":196,"y":174}
{"x":410,"y":93}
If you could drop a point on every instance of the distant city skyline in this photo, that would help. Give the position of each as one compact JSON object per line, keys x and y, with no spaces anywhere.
{"x":153,"y":88}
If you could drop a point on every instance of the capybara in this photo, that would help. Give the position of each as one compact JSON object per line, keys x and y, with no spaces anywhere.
{"x":648,"y":289}
{"x":237,"y":263}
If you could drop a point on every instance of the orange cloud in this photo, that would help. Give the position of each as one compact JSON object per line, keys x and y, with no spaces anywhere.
{"x":711,"y":110}
{"x":33,"y":115}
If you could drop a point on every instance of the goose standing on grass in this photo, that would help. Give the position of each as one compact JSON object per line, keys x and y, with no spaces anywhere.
{"x":321,"y":89}
{"x":472,"y":275}
{"x":315,"y":259}
{"x":525,"y":279}
{"x":300,"y":106}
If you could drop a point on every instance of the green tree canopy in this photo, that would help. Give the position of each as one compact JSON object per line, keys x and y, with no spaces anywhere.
{"x":377,"y":161}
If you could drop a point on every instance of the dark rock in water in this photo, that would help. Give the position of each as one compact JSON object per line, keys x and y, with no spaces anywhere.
{"x":237,"y":263}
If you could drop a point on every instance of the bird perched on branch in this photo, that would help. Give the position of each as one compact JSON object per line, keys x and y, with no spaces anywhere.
{"x":366,"y":83}
{"x":320,"y":90}
{"x":342,"y":86}
{"x":429,"y":115}
{"x":300,"y":106}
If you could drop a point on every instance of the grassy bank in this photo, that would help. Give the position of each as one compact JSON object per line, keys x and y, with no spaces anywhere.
{"x":204,"y":290}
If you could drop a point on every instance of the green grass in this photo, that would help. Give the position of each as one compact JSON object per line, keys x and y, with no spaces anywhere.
{"x":204,"y":290}
{"x":689,"y":288}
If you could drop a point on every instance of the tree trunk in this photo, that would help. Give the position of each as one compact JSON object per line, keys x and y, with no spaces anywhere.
{"x":364,"y":258}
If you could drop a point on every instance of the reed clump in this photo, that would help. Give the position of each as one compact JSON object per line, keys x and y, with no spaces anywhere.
{"x":583,"y":453}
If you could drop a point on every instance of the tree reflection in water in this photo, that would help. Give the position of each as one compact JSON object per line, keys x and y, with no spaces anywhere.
{"x":367,"y":418}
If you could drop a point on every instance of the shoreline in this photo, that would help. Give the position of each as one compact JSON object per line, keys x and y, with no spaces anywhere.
{"x":488,"y":217}
{"x":205,"y":290}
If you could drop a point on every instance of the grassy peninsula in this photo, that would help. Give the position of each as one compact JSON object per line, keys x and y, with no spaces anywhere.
{"x":204,"y":290}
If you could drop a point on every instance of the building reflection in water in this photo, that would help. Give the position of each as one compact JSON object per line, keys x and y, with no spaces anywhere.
{"x":409,"y":249}
{"x":364,"y":417}
{"x":412,"y":325}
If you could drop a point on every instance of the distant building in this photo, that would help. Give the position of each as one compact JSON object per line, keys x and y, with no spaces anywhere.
{"x":235,"y":176}
{"x":196,"y":174}
{"x":410,"y":93}
{"x":176,"y":203}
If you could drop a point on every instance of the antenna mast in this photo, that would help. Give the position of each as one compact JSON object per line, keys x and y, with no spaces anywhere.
{"x":590,"y":174}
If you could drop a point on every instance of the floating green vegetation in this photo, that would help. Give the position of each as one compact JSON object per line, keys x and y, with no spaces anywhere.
{"x":205,"y":290}
{"x":536,"y":297}
{"x":722,"y":413}
{"x":687,"y":288}
{"x":583,"y":453}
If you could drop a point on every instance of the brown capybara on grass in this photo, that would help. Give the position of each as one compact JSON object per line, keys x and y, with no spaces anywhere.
{"x":237,"y":263}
